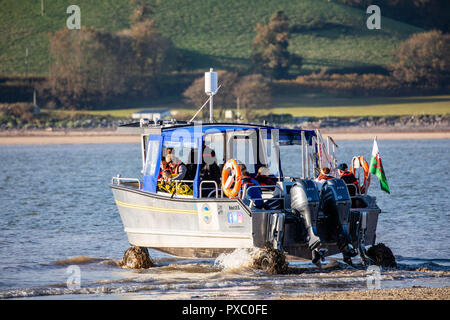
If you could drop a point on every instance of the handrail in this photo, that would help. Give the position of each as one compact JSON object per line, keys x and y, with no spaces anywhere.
{"x":353,"y":186}
{"x":260,"y":186}
{"x":210,"y":181}
{"x":119,"y":179}
{"x":252,"y":200}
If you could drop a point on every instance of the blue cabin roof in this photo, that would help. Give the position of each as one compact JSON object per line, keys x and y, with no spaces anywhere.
{"x":191,"y":131}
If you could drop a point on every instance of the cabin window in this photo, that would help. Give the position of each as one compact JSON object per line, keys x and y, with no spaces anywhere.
{"x":216,"y":143}
{"x":291,"y":160}
{"x":152,"y":157}
{"x":269,"y":153}
{"x":243,"y":148}
{"x":181,"y":153}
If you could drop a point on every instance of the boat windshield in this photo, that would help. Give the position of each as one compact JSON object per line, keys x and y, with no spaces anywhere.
{"x":291,"y":162}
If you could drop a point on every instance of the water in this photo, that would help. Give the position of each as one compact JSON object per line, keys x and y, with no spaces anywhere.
{"x":57,"y":211}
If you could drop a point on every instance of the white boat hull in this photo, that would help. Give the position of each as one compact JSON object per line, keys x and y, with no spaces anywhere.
{"x":151,"y":221}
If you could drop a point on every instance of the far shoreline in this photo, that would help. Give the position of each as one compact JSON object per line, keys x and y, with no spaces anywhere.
{"x":99,"y":136}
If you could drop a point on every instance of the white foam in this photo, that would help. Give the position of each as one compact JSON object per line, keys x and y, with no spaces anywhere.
{"x":238,"y":259}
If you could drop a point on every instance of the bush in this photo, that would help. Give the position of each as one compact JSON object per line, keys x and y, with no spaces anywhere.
{"x":252,"y":90}
{"x":94,"y":68}
{"x":424,"y":60}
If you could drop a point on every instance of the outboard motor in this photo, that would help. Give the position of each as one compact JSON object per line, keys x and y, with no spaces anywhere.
{"x":305,"y":201}
{"x":336,"y":204}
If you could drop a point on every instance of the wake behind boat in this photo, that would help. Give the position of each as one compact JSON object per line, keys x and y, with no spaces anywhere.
{"x":209,"y":188}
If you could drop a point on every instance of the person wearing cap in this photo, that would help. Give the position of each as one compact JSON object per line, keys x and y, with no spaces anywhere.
{"x":349,"y":179}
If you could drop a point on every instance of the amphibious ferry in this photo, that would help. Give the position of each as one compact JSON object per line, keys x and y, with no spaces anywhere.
{"x":199,"y":216}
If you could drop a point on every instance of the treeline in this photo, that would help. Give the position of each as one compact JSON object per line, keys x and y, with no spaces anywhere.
{"x":93,"y":68}
{"x":428,"y":14}
{"x":24,"y":116}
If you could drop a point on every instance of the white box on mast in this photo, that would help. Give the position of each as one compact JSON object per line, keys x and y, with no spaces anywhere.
{"x":210,"y":82}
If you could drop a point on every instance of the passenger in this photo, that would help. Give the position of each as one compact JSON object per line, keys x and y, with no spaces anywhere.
{"x":176,"y":166}
{"x":325,"y":174}
{"x":169,"y":151}
{"x":209,"y":170}
{"x":165,"y":181}
{"x":166,"y":176}
{"x":263,"y":177}
{"x":191,"y":165}
{"x":163,"y":166}
{"x":349,"y":178}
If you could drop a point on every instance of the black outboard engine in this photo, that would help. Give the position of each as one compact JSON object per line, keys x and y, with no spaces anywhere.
{"x":336,"y":204}
{"x":305,"y":201}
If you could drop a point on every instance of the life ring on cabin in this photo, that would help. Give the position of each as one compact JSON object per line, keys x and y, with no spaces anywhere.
{"x":360,"y":162}
{"x":231,"y":172}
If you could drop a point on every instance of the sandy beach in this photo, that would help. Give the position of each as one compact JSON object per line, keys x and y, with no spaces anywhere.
{"x":111,"y":136}
{"x":442,"y":293}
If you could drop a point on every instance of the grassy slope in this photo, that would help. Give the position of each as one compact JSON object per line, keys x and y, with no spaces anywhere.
{"x":23,"y":26}
{"x":212,"y":33}
{"x":344,"y":107}
{"x":223,"y":30}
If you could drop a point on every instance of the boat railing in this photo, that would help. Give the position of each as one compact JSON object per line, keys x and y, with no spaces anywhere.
{"x":352,"y":187}
{"x":215,"y":185}
{"x":252,"y":200}
{"x":119,"y":180}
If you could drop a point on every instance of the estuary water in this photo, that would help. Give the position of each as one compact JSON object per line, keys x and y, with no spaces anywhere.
{"x":59,"y":222}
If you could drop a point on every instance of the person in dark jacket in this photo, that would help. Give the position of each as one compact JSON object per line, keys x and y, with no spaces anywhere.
{"x":349,"y":178}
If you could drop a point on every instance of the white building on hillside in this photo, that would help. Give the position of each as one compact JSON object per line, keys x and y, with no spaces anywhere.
{"x":151,"y":114}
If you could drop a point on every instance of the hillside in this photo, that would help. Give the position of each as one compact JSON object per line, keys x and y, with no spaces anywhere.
{"x":209,"y":33}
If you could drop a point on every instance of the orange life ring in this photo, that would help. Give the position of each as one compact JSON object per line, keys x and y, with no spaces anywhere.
{"x":231,"y":172}
{"x":362,"y":163}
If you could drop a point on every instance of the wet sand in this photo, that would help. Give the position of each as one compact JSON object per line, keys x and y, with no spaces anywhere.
{"x":105,"y":136}
{"x":442,"y":293}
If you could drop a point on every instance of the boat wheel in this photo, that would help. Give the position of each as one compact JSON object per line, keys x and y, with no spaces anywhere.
{"x":382,"y":256}
{"x":271,"y":261}
{"x":136,"y":258}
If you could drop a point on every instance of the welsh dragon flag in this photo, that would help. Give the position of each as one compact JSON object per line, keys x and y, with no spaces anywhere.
{"x":376,"y":167}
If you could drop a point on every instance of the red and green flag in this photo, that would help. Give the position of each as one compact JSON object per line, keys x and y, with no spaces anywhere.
{"x":376,"y":167}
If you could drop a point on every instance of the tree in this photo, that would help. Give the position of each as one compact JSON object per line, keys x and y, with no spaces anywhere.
{"x":142,"y":11}
{"x":85,"y":66}
{"x":270,"y":54}
{"x":91,"y":67}
{"x":424,"y":59}
{"x":150,"y":48}
{"x":253,"y":92}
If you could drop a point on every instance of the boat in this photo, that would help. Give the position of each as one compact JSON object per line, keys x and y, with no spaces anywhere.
{"x":203,"y":217}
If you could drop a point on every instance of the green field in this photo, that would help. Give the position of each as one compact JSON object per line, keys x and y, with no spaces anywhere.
{"x":359,"y":107}
{"x":307,"y":106}
{"x":210,"y":33}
